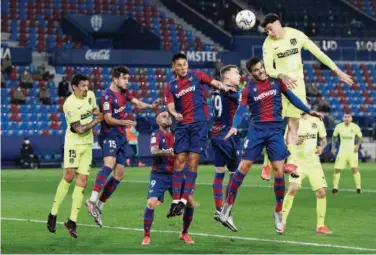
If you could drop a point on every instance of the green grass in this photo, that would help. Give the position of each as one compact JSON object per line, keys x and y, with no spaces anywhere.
{"x":29,"y":194}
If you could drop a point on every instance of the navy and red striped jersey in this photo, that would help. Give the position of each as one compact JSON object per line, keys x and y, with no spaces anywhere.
{"x":114,"y":103}
{"x":224,"y":108}
{"x":188,"y":96}
{"x":162,"y":140}
{"x":264,"y":100}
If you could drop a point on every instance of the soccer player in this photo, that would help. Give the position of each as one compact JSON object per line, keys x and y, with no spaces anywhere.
{"x":186,"y":102}
{"x":348,"y":152}
{"x":112,"y":139}
{"x":162,"y":149}
{"x":226,"y":152}
{"x":78,"y":109}
{"x":282,"y":58}
{"x":263,"y":96}
{"x":310,"y":130}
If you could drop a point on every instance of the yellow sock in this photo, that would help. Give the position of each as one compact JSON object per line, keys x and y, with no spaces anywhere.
{"x":357,"y":180}
{"x":77,"y":198}
{"x":266,"y":159}
{"x":321,"y":211}
{"x":336,"y":178}
{"x":286,"y":207}
{"x":292,"y":149}
{"x":61,"y":192}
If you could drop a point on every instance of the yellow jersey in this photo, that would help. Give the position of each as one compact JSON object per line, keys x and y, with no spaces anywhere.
{"x":347,"y":135}
{"x":79,"y":110}
{"x":284,"y":56}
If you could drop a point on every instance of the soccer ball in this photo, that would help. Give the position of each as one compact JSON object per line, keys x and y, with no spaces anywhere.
{"x":245,"y":19}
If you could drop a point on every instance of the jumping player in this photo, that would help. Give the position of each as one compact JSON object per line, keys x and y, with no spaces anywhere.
{"x":263,"y":96}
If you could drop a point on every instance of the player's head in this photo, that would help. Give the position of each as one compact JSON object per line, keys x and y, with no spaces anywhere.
{"x":180,"y":64}
{"x":120,"y":77}
{"x":256,"y":68}
{"x":164,"y":120}
{"x":272,"y":25}
{"x":80,"y":85}
{"x":347,"y":117}
{"x":230,"y":75}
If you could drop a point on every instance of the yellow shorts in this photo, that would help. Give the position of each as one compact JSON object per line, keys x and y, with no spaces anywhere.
{"x":289,"y":110}
{"x":344,"y":158}
{"x":311,"y":169}
{"x":79,"y":157}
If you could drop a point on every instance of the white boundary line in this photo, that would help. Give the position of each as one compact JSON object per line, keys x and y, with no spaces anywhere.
{"x":209,"y":184}
{"x":212,"y":235}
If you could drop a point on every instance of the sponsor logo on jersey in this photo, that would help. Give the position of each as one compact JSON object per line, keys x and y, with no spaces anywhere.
{"x":185,"y":91}
{"x":86,"y":115}
{"x":288,"y":53}
{"x":119,"y":110}
{"x":268,"y":93}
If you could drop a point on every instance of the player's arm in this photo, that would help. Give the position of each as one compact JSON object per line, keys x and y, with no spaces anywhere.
{"x":334,"y":139}
{"x":360,"y":139}
{"x":206,"y":79}
{"x":242,"y":108}
{"x":155,"y":150}
{"x":170,"y":103}
{"x":312,"y":47}
{"x":143,"y":106}
{"x":322,"y":138}
{"x":82,"y":128}
{"x":106,"y":106}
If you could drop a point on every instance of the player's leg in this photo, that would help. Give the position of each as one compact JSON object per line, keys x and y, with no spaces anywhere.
{"x":181,"y":148}
{"x":152,"y":203}
{"x":71,"y":163}
{"x":354,"y":168}
{"x":265,"y":172}
{"x":187,"y":220}
{"x":292,"y":141}
{"x":339,"y":165}
{"x":321,"y":211}
{"x":289,"y":200}
{"x":82,"y":176}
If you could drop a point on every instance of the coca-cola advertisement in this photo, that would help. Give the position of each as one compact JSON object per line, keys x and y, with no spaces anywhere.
{"x":102,"y":54}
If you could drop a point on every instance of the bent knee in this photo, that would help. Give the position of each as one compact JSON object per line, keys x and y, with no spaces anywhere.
{"x":320,"y":193}
{"x":153,"y":203}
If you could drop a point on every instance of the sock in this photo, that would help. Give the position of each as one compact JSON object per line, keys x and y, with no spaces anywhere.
{"x":108,"y":189}
{"x":177,"y":180}
{"x":61,"y":192}
{"x":227,"y":187}
{"x":148,"y":220}
{"x":234,"y":184}
{"x":100,"y":180}
{"x":100,"y":204}
{"x":279,"y":192}
{"x":321,"y":211}
{"x":336,"y":178}
{"x":357,"y":180}
{"x":287,"y":204}
{"x":266,"y":160}
{"x":218,"y":190}
{"x":190,"y":181}
{"x":292,"y":150}
{"x":77,"y":198}
{"x":187,"y":218}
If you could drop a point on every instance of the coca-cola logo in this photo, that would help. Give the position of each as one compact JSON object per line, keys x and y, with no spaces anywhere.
{"x":98,"y":55}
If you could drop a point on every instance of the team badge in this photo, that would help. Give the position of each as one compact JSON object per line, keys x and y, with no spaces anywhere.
{"x":314,"y":125}
{"x":71,"y":160}
{"x":153,"y":140}
{"x":190,"y":78}
{"x":272,"y":83}
{"x":293,"y":41}
{"x":89,"y":100}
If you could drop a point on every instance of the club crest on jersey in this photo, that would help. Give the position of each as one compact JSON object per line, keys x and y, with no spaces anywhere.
{"x":272,"y":83}
{"x":255,"y":89}
{"x":190,"y":78}
{"x":293,"y":41}
{"x":89,"y":100}
{"x":314,"y":125}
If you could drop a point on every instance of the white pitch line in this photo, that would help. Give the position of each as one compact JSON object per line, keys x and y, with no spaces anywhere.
{"x":212,"y":235}
{"x":210,"y":184}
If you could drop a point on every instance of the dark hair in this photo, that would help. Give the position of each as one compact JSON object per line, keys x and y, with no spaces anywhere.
{"x":178,"y":56}
{"x":77,"y":78}
{"x":348,"y":113}
{"x":269,"y":18}
{"x":251,"y":62}
{"x":119,"y":70}
{"x":226,"y":69}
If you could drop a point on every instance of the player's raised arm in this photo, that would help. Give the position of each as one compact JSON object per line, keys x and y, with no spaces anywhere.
{"x":206,"y":79}
{"x":297,"y":102}
{"x":312,"y":47}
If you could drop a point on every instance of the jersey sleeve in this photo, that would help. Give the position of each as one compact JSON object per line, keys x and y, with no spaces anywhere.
{"x":234,"y":95}
{"x":169,"y":97}
{"x":322,"y":130}
{"x":309,"y":45}
{"x":267,"y":55}
{"x":128,"y":95}
{"x":71,"y":113}
{"x":336,"y":131}
{"x":106,"y":104}
{"x":154,"y":141}
{"x":243,"y":97}
{"x":204,"y":78}
{"x":93,"y":100}
{"x":358,"y":132}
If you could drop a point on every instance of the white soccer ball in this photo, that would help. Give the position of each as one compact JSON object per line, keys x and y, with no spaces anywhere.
{"x":245,"y":19}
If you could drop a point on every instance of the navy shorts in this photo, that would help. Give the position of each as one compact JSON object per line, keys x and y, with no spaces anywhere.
{"x":159,"y":184}
{"x":114,"y":145}
{"x":268,"y":135}
{"x":226,"y":152}
{"x":191,"y":137}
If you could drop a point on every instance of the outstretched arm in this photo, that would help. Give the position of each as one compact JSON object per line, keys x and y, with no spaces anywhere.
{"x":141,"y":105}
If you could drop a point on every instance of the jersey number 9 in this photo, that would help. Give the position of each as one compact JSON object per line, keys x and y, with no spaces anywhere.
{"x":217,"y":106}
